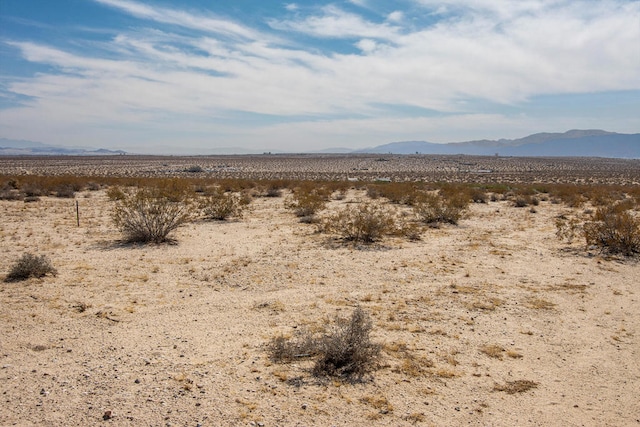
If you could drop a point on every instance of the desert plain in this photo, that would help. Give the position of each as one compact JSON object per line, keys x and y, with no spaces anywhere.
{"x":490,"y":322}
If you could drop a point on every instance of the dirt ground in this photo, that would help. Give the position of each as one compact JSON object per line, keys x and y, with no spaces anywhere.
{"x":491,"y":322}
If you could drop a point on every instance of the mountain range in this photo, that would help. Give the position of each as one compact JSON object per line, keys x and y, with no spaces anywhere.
{"x":573,"y":143}
{"x":14,"y":147}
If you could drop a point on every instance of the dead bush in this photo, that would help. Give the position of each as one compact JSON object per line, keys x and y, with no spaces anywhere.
{"x":148,"y":215}
{"x":30,"y":265}
{"x":346,"y":351}
{"x":615,"y":230}
{"x":363,"y":223}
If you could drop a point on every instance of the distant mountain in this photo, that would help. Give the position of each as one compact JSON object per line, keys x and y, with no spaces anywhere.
{"x":14,"y":147}
{"x":573,"y":143}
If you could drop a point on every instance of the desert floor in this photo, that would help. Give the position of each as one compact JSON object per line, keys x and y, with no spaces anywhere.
{"x":176,"y":335}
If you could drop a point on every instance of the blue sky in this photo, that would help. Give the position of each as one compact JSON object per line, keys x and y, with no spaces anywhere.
{"x":193,"y":76}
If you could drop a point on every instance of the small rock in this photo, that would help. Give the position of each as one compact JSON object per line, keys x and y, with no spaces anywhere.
{"x":107,"y":415}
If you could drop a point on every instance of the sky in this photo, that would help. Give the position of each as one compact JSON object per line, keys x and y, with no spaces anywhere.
{"x":200,"y":76}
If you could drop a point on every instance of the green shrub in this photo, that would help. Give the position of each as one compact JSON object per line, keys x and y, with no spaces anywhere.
{"x":148,"y":215}
{"x":363,"y":223}
{"x":30,"y":265}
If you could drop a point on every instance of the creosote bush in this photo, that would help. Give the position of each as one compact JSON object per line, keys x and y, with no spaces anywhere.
{"x":306,"y":202}
{"x":148,"y":215}
{"x":363,"y":223}
{"x":221,"y":205}
{"x":614,"y":229}
{"x":345,"y":352}
{"x":434,"y":208}
{"x":30,"y":265}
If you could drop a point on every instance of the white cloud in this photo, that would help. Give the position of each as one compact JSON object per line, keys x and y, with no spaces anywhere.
{"x":205,"y":23}
{"x":396,"y":16}
{"x":291,"y":7}
{"x":337,"y":23}
{"x":157,"y":82}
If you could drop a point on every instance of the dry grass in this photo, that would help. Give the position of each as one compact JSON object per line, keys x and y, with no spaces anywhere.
{"x":518,"y":386}
{"x":493,"y":350}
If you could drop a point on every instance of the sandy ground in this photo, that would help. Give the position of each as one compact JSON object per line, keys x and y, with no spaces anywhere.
{"x":175,"y":335}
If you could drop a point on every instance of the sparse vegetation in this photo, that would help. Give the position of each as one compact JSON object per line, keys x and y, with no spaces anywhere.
{"x":30,"y":265}
{"x":220,"y":205}
{"x":148,"y":215}
{"x":306,"y":201}
{"x":362,"y":223}
{"x":434,"y":208}
{"x":614,"y":229}
{"x":345,"y":352}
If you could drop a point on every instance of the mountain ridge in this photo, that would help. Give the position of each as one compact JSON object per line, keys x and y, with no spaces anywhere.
{"x":573,"y":143}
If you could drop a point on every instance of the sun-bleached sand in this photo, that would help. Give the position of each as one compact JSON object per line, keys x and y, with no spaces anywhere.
{"x":176,"y":334}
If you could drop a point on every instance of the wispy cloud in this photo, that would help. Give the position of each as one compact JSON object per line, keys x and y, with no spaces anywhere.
{"x":336,"y":23}
{"x":206,"y":22}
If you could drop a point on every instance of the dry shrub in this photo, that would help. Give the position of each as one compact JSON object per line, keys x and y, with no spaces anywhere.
{"x":365,"y":223}
{"x":303,"y":345}
{"x":401,"y":193}
{"x":568,"y":228}
{"x":306,"y":202}
{"x":220,"y":205}
{"x":614,"y":229}
{"x":148,"y":215}
{"x":478,"y":195}
{"x":115,"y":193}
{"x":30,"y":265}
{"x":345,"y":352}
{"x":434,"y":208}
